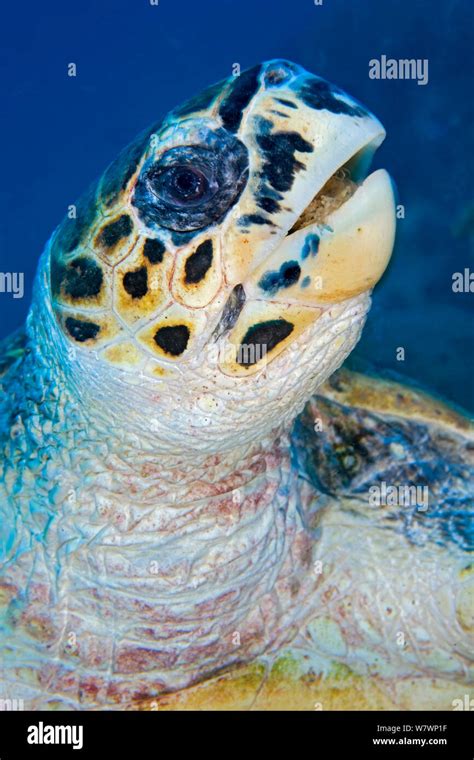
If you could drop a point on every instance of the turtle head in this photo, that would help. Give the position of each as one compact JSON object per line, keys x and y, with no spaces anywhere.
{"x":234,"y":244}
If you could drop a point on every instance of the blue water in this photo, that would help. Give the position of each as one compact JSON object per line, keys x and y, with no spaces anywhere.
{"x":135,"y":61}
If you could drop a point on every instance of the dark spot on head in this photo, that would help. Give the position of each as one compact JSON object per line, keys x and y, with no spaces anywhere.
{"x":173,"y":339}
{"x":80,"y":330}
{"x":120,"y":171}
{"x":268,"y":204}
{"x":198,"y":263}
{"x":262,"y":337}
{"x":153,"y":250}
{"x":305,"y":282}
{"x":268,"y":199}
{"x":280,"y":165}
{"x":287,"y":275}
{"x":238,"y":98}
{"x":285,"y":102}
{"x":201,"y":101}
{"x":247,"y":219}
{"x":319,"y":94}
{"x":115,"y":231}
{"x":82,"y":278}
{"x":311,"y":245}
{"x":136,"y":283}
{"x":231,"y":311}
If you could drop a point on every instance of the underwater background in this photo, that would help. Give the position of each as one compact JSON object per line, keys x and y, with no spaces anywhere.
{"x":136,"y":60}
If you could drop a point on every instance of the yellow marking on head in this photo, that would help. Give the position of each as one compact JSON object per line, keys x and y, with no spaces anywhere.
{"x":198,"y":277}
{"x":173,"y":334}
{"x":141,"y":288}
{"x":263,"y":330}
{"x":114,"y":237}
{"x":156,"y":371}
{"x":89,"y":330}
{"x":125,"y":354}
{"x":80,"y":281}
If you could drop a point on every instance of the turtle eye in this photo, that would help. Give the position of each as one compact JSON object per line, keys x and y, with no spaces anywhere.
{"x":183,"y":185}
{"x":188,"y":187}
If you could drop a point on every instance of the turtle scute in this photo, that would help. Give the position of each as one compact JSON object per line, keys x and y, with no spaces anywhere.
{"x":348,"y":448}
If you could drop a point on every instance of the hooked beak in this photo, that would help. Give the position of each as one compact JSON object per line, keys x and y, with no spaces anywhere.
{"x":338,"y":248}
{"x":326,"y":232}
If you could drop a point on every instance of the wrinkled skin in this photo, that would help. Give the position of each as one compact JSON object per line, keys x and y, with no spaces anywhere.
{"x":164,"y":518}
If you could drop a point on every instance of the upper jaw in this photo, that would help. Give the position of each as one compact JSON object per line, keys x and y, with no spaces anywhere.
{"x":294,"y":151}
{"x":321,"y":267}
{"x":298,"y":260}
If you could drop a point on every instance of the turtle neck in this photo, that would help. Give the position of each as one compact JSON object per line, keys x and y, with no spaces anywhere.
{"x":162,"y":523}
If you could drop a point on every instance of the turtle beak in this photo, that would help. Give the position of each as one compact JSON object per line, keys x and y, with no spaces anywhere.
{"x":312,"y":229}
{"x":340,"y":255}
{"x":310,"y":147}
{"x":318,"y":264}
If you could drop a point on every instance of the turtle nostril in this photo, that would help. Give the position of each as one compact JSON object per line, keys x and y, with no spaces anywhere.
{"x":279,"y":72}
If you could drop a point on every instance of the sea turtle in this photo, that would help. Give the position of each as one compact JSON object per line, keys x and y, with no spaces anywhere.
{"x":171,"y":537}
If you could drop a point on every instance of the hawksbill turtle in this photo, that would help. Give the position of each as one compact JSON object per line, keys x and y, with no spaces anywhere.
{"x":197,"y":504}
